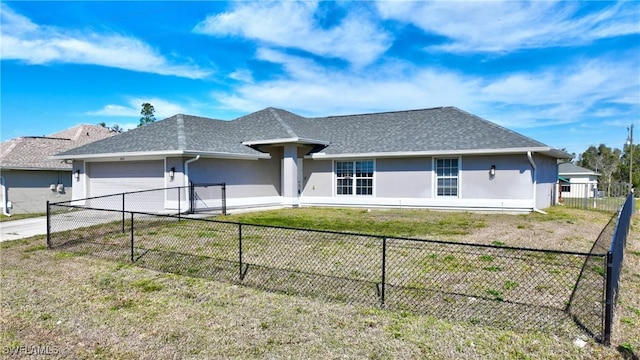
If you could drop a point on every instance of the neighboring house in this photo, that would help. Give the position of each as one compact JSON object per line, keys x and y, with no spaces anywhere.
{"x":29,"y":177}
{"x":440,"y":158}
{"x":576,"y":181}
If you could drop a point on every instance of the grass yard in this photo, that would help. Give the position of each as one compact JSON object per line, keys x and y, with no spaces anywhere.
{"x":4,"y":218}
{"x":561,"y":229}
{"x":80,"y":306}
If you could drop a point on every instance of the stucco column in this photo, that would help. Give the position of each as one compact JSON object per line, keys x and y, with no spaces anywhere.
{"x":290,"y":175}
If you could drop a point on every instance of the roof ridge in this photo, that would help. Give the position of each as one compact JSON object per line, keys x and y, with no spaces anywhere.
{"x":385,"y":112}
{"x":14,"y":143}
{"x":286,"y":126}
{"x":78,"y":132}
{"x":182,"y":137}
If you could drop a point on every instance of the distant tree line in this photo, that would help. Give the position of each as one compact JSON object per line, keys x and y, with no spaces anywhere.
{"x":612,"y":164}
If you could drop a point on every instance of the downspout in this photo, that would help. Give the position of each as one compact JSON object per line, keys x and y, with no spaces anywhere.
{"x":4,"y":196}
{"x":535,"y":181}
{"x":186,"y":180}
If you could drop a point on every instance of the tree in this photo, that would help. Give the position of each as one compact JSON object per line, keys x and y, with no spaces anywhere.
{"x":103,"y":124}
{"x":623,"y":168}
{"x":116,"y":129}
{"x":603,"y":160}
{"x":147,"y":114}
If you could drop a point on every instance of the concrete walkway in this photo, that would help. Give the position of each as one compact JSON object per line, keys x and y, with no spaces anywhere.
{"x":24,"y":228}
{"x":20,"y":229}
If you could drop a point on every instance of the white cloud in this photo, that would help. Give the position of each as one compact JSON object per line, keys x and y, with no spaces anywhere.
{"x":584,"y":85}
{"x":356,"y":38}
{"x":243,"y":75}
{"x":35,"y":44}
{"x":114,"y":110}
{"x":552,"y":96}
{"x":504,"y":26}
{"x":163,"y":108}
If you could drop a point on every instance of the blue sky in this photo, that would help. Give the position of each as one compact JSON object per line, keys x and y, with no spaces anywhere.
{"x":564,"y":73}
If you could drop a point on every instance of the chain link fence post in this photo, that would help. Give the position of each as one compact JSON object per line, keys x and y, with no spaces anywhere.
{"x":384,"y":270}
{"x":123,"y":206}
{"x":48,"y":226}
{"x":224,"y":199}
{"x":608,"y":308}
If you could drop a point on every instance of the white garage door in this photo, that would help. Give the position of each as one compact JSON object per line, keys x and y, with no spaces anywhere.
{"x":107,"y":178}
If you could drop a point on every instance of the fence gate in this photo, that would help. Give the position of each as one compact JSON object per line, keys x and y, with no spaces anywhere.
{"x":208,"y":197}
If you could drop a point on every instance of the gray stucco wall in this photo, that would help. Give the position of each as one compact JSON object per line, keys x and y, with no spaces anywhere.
{"x":547,"y":174}
{"x":409,"y":177}
{"x":244,"y":178}
{"x":413,"y":177}
{"x":29,"y":190}
{"x":512,"y":178}
{"x":318,"y":177}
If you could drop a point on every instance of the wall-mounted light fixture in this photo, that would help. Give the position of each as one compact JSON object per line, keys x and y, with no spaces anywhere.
{"x":492,"y":171}
{"x":172,"y":172}
{"x":77,"y":174}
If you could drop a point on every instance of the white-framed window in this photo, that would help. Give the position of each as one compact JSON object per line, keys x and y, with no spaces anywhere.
{"x":354,"y":177}
{"x":447,"y":179}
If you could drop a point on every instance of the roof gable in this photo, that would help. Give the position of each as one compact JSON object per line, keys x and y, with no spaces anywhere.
{"x":32,"y":152}
{"x":437,"y":130}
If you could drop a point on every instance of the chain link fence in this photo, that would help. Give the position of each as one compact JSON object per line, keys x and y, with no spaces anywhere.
{"x":196,"y":198}
{"x":507,"y":287}
{"x":604,"y":197}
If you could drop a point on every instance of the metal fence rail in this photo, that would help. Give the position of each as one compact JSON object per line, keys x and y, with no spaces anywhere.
{"x":210,"y":198}
{"x":615,"y":258}
{"x":603,"y":197}
{"x":507,"y":287}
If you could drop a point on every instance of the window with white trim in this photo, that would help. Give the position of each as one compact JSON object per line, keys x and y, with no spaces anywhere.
{"x":447,"y":177}
{"x":361,"y":171}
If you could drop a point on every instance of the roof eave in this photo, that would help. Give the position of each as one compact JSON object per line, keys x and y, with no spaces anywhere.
{"x":31,"y":168}
{"x":579,"y":173}
{"x":293,"y":140}
{"x":141,"y":155}
{"x":397,"y":154}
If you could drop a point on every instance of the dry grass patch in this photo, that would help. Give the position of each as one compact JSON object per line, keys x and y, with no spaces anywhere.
{"x":88,"y":307}
{"x":85,"y":307}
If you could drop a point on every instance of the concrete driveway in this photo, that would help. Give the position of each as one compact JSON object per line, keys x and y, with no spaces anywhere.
{"x":20,"y":229}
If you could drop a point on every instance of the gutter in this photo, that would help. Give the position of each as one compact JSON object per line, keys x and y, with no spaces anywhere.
{"x":186,"y":179}
{"x":535,"y":181}
{"x":4,"y":196}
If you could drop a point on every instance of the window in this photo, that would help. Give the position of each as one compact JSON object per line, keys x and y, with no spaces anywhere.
{"x":447,"y":177}
{"x":361,"y":171}
{"x":566,"y":187}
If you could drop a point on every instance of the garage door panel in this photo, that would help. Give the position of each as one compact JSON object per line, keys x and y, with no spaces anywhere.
{"x":106,"y":178}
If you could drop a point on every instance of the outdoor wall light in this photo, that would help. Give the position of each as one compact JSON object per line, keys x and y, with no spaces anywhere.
{"x":172,"y":172}
{"x":492,"y":171}
{"x":77,"y":173}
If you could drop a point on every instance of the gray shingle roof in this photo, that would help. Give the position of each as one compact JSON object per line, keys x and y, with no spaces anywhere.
{"x":32,"y":152}
{"x":445,"y":129}
{"x":573,"y":169}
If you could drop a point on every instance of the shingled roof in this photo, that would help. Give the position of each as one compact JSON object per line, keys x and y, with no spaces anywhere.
{"x":427,"y":131}
{"x":32,"y":152}
{"x":573,"y":169}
